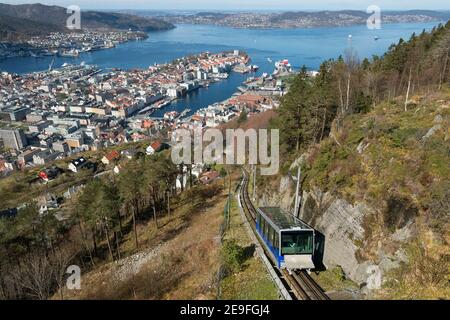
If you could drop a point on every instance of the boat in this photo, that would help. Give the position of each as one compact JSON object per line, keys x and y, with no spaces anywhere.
{"x":48,"y":53}
{"x":109,"y":45}
{"x":184,"y":112}
{"x":254,"y":68}
{"x":162,"y":104}
{"x":50,"y":67}
{"x":376,"y":38}
{"x":242,"y":68}
{"x":270,"y":60}
{"x":221,"y":76}
{"x":70,"y":53}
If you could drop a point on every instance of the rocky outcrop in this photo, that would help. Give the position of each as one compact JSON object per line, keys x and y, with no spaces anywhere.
{"x":343,"y":225}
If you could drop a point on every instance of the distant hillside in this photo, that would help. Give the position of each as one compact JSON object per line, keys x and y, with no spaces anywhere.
{"x":20,"y":20}
{"x":13,"y":29}
{"x":298,"y":19}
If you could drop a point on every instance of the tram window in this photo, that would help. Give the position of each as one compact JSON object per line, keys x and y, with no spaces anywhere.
{"x":266,"y":230}
{"x":270,"y":234}
{"x":261,"y":227}
{"x":276,"y":240}
{"x":258,"y":219}
{"x":297,"y":242}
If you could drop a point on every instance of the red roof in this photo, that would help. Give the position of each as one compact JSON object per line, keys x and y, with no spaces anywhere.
{"x":156,"y":145}
{"x":112,"y":155}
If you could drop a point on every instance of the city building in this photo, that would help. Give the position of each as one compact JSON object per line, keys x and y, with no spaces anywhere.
{"x":13,"y":138}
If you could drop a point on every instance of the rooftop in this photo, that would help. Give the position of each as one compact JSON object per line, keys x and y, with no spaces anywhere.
{"x":283,"y":219}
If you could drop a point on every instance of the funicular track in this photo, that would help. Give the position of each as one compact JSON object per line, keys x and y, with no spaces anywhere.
{"x":298,"y":283}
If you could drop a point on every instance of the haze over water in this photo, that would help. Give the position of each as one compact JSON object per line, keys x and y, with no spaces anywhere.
{"x":308,"y":46}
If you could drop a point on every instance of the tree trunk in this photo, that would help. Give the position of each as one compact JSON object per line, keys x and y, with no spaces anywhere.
{"x":119,"y":217}
{"x":83,"y":239}
{"x":442,"y":78}
{"x":347,"y":102}
{"x":297,"y":146}
{"x":135,"y":228}
{"x":154,"y":214}
{"x":323,"y":123}
{"x":341,"y":98}
{"x":168,"y":203}
{"x":116,"y":237}
{"x":108,"y":241}
{"x":407,"y":91}
{"x":94,"y":241}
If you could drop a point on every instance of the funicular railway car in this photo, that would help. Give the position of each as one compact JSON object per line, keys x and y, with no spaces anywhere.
{"x":289,"y":240}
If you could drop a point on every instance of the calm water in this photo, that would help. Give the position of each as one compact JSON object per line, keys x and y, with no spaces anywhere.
{"x":301,"y":46}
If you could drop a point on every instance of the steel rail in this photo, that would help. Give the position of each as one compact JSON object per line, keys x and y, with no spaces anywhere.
{"x":301,"y":285}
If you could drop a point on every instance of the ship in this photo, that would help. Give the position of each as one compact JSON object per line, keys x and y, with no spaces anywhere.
{"x":69,"y":53}
{"x":162,"y":104}
{"x":109,"y":45}
{"x":242,"y":68}
{"x":184,"y":113}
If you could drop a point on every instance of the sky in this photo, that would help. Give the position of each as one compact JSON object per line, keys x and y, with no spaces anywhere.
{"x":247,"y":4}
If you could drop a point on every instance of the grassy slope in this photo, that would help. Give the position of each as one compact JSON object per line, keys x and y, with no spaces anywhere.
{"x":253,"y":282}
{"x":404,"y":178}
{"x":184,"y":258}
{"x":179,"y":260}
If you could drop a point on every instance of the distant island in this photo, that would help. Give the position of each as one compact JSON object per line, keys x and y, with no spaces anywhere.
{"x":20,"y":22}
{"x":300,"y":19}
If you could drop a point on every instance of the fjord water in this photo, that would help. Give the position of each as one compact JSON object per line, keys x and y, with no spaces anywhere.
{"x":308,"y":46}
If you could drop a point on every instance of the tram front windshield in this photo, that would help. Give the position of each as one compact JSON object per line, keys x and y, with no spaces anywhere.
{"x":297,"y":242}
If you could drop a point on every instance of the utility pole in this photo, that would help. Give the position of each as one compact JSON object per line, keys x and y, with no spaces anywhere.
{"x":229,"y":197}
{"x":254,"y":182}
{"x":297,"y":191}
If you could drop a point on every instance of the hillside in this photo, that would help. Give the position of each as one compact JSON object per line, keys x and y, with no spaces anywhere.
{"x":395,"y":164}
{"x":372,"y":140}
{"x":14,"y":29}
{"x":20,"y":19}
{"x":301,"y":19}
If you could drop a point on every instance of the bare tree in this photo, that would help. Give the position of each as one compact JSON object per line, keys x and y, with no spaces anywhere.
{"x":60,"y":262}
{"x":36,"y":276}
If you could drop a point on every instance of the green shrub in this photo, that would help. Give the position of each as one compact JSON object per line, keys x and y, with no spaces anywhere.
{"x":233,"y":255}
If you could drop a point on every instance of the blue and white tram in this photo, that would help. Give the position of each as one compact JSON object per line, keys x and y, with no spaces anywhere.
{"x":289,"y":240}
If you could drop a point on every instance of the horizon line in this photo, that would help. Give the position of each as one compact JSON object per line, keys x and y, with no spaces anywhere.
{"x":237,"y":9}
